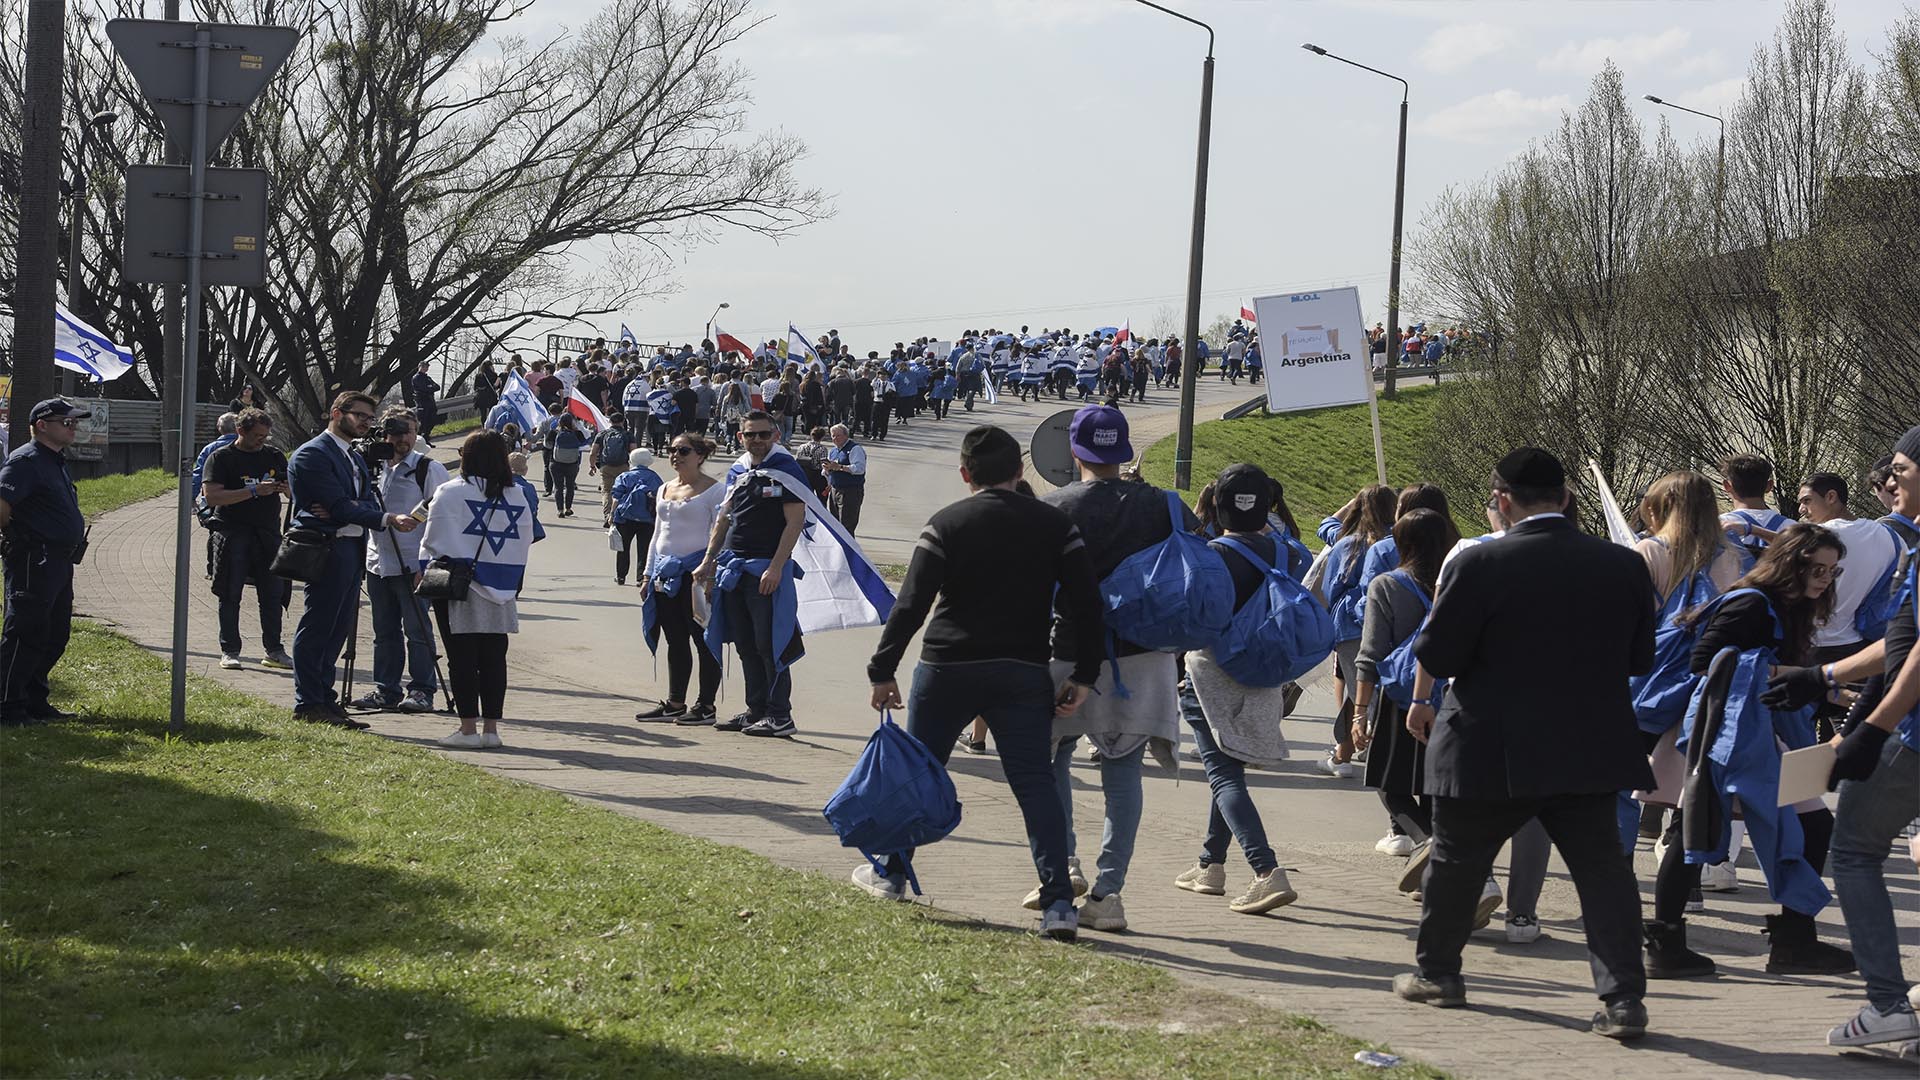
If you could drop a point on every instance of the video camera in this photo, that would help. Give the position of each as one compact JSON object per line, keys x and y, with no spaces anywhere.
{"x":375,"y":450}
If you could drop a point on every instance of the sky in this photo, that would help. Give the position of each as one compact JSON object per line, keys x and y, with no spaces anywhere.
{"x":1000,"y":162}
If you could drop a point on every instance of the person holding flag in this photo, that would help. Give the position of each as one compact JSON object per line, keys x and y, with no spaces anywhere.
{"x":726,"y":342}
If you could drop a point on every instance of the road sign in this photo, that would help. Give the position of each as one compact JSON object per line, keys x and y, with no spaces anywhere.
{"x":1052,"y":450}
{"x":241,"y":60}
{"x":234,"y":232}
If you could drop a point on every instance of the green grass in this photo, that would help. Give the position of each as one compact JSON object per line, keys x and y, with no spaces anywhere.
{"x":260,"y":898}
{"x":104,"y":493}
{"x":1323,"y":456}
{"x":457,"y":427}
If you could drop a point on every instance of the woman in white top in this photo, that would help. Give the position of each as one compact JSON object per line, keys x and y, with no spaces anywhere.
{"x":684,"y":513}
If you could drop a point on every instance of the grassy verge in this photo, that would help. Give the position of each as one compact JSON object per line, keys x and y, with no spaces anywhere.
{"x":104,"y":493}
{"x":457,"y":427}
{"x":262,"y":898}
{"x":1323,"y":456}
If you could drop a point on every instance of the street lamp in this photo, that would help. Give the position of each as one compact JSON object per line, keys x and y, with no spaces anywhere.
{"x":1183,"y":444}
{"x":1720,"y":169}
{"x":77,"y":196}
{"x":1399,"y":207}
{"x":716,"y":314}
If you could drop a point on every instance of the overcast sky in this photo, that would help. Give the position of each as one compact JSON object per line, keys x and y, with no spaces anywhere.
{"x":1031,"y":161}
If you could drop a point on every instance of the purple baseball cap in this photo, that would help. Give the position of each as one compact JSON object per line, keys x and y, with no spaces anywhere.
{"x":1099,"y":435}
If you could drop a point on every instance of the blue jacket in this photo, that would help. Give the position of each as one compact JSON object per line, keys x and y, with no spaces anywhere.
{"x":206,"y":455}
{"x":322,"y":475}
{"x":631,"y":495}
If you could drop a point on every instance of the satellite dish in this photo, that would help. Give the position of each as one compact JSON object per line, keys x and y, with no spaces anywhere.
{"x":1051,"y":451}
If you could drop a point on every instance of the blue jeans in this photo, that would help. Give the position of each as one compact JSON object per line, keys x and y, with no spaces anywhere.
{"x":1232,"y":815}
{"x":1872,"y":813}
{"x":1016,"y":701}
{"x":328,"y":609}
{"x":1120,"y":783}
{"x":750,"y":617}
{"x":393,"y":624}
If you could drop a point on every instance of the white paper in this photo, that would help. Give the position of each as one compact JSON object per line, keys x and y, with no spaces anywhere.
{"x":1804,"y":773}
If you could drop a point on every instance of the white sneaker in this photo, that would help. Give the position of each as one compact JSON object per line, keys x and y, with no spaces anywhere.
{"x":490,"y":740}
{"x":1343,"y":770}
{"x":1265,"y":893}
{"x":1870,"y":1026}
{"x":1397,"y":844}
{"x":462,"y":740}
{"x":416,"y":701}
{"x":1416,"y":868}
{"x":1079,"y":881}
{"x":230,"y":661}
{"x":878,"y":884}
{"x":1104,"y":913}
{"x":1489,"y":903}
{"x":1208,"y":880}
{"x":1522,"y":930}
{"x":1720,"y":877}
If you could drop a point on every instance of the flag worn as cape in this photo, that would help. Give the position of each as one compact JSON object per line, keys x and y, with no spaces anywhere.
{"x":525,"y":405}
{"x":841,"y":588}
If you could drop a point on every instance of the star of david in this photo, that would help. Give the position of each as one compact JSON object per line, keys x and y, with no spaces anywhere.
{"x":89,"y":350}
{"x":478,"y":526}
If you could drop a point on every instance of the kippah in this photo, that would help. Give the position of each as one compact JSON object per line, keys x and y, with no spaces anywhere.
{"x":1531,"y":467}
{"x":985,"y":439}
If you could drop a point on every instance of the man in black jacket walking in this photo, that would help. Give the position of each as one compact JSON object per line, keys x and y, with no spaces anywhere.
{"x":1539,"y":634}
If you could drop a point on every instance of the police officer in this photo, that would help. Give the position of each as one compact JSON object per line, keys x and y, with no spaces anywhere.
{"x":45,"y":536}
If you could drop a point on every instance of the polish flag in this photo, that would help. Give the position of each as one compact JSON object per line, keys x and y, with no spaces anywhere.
{"x":725,"y":341}
{"x":1247,"y":313}
{"x":586,"y":411}
{"x":1125,"y":334}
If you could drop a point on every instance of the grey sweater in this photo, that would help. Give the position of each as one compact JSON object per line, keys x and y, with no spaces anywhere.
{"x":1393,"y":614}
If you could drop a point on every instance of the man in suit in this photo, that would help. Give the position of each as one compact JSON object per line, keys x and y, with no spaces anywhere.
{"x":1539,"y":634}
{"x":333,"y":493}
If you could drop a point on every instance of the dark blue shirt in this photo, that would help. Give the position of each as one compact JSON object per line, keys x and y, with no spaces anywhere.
{"x":46,"y":508}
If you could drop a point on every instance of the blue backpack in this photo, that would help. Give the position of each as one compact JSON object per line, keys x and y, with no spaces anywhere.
{"x":1397,"y":671}
{"x":1660,"y":696}
{"x":1171,"y":597}
{"x":898,"y":797}
{"x":1344,"y":596}
{"x":1280,"y":634}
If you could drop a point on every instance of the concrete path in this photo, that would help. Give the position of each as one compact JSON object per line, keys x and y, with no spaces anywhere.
{"x":579,"y":670}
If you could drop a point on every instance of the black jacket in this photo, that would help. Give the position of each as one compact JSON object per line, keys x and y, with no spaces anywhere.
{"x":1539,"y":632}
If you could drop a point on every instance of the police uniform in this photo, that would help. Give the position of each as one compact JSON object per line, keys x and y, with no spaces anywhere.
{"x":45,"y":537}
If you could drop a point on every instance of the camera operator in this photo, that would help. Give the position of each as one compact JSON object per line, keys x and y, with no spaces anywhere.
{"x":243,"y":484}
{"x":333,"y":494}
{"x":405,"y":480}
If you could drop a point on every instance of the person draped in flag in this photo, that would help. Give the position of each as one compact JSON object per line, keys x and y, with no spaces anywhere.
{"x":748,"y":564}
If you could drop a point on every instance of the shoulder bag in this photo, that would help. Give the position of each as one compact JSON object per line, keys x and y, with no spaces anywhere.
{"x":303,"y":552}
{"x":448,"y":578}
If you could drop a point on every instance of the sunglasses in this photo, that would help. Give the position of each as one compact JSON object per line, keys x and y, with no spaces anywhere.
{"x":676,"y":451}
{"x":67,"y":422}
{"x":756,"y":434}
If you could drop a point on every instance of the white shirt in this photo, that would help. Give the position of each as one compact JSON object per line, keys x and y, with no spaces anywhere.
{"x":1871,"y":549}
{"x":767,"y":389}
{"x":359,"y":481}
{"x":685,"y":527}
{"x":402,"y":495}
{"x":1467,"y":542}
{"x":568,"y":377}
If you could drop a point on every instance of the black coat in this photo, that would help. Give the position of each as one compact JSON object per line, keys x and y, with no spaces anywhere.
{"x":1540,"y":631}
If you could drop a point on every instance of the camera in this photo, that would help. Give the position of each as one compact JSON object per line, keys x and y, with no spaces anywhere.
{"x":376,"y":451}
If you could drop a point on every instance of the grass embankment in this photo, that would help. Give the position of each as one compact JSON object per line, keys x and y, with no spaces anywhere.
{"x":457,"y":427}
{"x":265,"y":898}
{"x":1322,"y":456}
{"x":99,"y":495}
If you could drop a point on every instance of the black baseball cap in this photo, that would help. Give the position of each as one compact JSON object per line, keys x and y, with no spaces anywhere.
{"x":55,"y":409}
{"x":1241,"y":494}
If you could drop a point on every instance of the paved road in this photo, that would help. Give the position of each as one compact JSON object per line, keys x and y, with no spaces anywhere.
{"x":579,"y":668}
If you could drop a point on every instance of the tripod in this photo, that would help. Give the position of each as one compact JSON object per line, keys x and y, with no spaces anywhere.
{"x":409,"y":609}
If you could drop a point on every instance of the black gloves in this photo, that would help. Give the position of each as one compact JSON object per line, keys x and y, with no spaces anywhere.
{"x":1857,"y":755}
{"x":1795,"y":687}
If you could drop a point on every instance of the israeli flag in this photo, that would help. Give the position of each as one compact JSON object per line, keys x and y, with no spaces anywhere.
{"x":798,"y":345}
{"x":840,"y":588}
{"x":519,"y":395}
{"x":993,"y":393}
{"x":626,"y":335}
{"x":79,"y":347}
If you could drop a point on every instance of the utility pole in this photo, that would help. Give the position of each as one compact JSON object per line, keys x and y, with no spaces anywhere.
{"x":37,"y":258}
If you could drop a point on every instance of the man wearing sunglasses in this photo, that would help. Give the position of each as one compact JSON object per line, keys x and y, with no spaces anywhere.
{"x":333,"y":494}
{"x":45,"y":536}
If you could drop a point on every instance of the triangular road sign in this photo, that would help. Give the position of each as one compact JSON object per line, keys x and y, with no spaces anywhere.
{"x":161,"y":56}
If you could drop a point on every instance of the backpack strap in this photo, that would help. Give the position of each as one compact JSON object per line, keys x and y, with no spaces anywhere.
{"x":1247,"y":553}
{"x":1174,"y":506}
{"x":1426,"y":603}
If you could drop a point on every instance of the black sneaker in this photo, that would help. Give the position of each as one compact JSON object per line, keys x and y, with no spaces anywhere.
{"x":663,"y":712}
{"x":771,"y":727}
{"x":697,"y":716}
{"x":737,"y":723}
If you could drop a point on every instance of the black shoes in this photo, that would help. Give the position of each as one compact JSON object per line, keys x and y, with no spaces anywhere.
{"x":1621,"y":1019}
{"x":1667,"y":954}
{"x":771,"y":727}
{"x":331,"y":715}
{"x":1441,"y":991}
{"x":736,"y":723}
{"x":697,"y":716}
{"x":665,"y":712}
{"x":1796,"y":951}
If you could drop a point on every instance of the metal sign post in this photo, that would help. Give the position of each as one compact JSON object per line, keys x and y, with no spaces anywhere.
{"x":183,"y":96}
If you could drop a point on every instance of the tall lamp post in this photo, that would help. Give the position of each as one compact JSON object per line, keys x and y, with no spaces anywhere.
{"x":1399,"y":207}
{"x":1720,"y":168}
{"x":716,"y":314}
{"x":77,"y":201}
{"x":1183,"y":444}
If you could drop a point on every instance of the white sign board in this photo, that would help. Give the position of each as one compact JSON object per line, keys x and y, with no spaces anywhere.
{"x":1314,"y":349}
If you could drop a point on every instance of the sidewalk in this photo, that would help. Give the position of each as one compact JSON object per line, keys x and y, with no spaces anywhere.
{"x":1331,"y":955}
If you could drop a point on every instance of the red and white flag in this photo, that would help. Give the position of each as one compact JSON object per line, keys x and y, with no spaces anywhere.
{"x":1125,"y":334}
{"x":725,"y":341}
{"x":1247,"y":313}
{"x":586,"y":411}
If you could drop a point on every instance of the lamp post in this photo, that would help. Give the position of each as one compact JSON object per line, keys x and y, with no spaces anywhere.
{"x":1399,"y":208}
{"x":77,"y":200}
{"x":1720,"y":168}
{"x":716,"y":314}
{"x":1183,"y":443}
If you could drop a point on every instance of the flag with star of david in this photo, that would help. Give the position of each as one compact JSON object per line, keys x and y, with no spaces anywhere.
{"x":79,"y":347}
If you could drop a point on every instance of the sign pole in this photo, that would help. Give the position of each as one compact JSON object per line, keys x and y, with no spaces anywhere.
{"x":202,"y":46}
{"x":1373,"y":409}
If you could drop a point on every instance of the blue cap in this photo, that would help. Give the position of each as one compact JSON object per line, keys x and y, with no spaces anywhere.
{"x":1099,"y":435}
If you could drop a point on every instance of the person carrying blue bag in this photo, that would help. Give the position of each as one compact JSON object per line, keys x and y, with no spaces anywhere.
{"x":1351,"y":533}
{"x":986,"y":569}
{"x":897,"y":798}
{"x":1162,"y":589}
